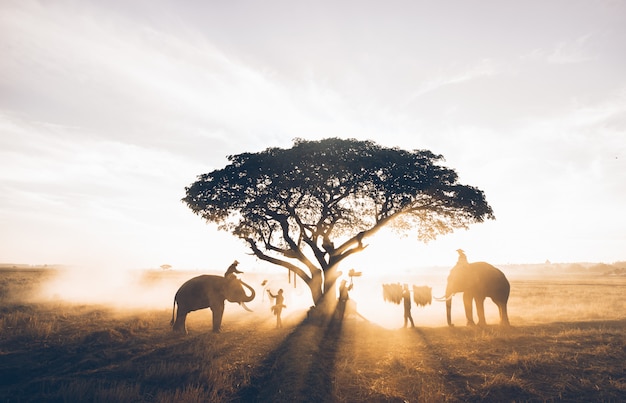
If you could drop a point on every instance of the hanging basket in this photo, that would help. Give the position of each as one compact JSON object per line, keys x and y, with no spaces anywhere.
{"x":422,"y":295}
{"x":392,"y":293}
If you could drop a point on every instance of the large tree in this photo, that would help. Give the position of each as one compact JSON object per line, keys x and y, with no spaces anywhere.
{"x":309,"y":207}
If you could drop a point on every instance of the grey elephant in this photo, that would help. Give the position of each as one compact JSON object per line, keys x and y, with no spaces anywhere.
{"x":209,"y":291}
{"x":478,"y":281}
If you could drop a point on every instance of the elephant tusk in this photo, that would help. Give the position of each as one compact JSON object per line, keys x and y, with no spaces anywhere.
{"x":243,"y":305}
{"x":441,"y":299}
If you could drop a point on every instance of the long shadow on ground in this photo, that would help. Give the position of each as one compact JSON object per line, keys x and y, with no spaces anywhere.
{"x":300,"y":369}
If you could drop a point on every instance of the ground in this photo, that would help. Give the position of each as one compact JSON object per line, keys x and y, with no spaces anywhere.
{"x":59,"y":351}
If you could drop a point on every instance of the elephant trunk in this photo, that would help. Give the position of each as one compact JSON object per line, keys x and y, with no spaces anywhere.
{"x":252,"y":293}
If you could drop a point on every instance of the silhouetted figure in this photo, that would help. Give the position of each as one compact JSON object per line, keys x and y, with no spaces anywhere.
{"x":406,"y":298}
{"x":232,"y":269}
{"x":462,"y":258}
{"x":277,"y":308}
{"x":343,"y":299}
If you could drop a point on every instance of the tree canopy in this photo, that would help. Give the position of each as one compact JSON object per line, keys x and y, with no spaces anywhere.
{"x":309,"y":207}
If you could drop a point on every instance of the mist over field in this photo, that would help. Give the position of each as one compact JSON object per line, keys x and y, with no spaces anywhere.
{"x":535,"y":290}
{"x":117,"y":288}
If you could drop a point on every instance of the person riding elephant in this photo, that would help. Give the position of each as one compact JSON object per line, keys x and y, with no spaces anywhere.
{"x":208,"y":291}
{"x":232,"y":269}
{"x":478,"y":281}
{"x":462,"y":261}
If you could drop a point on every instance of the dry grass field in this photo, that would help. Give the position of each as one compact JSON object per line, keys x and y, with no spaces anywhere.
{"x":567,"y":343}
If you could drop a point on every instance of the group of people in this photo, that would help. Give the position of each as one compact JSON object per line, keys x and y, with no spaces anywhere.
{"x":279,"y":298}
{"x":344,"y":295}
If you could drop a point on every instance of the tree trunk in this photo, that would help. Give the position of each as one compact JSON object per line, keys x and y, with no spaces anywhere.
{"x":317,"y":293}
{"x":330,"y":280}
{"x":324,"y":292}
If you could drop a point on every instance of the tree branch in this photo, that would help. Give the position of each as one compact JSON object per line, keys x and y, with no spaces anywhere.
{"x":259,"y":253}
{"x":358,"y":238}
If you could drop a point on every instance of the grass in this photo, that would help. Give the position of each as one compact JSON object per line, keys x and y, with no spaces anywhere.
{"x":573,"y":350}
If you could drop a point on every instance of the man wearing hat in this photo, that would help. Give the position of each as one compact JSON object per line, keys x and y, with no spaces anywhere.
{"x":232,"y":269}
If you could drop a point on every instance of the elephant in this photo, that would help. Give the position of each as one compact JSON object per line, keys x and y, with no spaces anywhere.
{"x":477,"y":281}
{"x":208,"y":291}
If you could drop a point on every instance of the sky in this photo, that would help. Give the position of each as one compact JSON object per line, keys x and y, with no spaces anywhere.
{"x":108,"y":110}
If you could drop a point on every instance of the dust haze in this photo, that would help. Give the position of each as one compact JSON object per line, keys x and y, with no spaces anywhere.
{"x":116,"y":288}
{"x":148,"y":290}
{"x":537,"y":292}
{"x":155,"y":289}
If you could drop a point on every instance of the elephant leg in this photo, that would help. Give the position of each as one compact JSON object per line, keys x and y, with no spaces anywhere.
{"x":504,"y":316}
{"x":467,"y":302}
{"x":218,"y":313}
{"x":179,"y":324}
{"x":480,"y":311}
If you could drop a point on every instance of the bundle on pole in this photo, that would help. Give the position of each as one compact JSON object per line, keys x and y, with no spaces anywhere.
{"x":422,"y":295}
{"x":392,"y":293}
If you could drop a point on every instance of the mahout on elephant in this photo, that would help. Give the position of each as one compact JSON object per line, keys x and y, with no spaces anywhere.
{"x":478,"y":281}
{"x":209,"y":291}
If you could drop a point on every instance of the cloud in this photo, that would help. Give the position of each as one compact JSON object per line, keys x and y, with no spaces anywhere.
{"x":484,"y":68}
{"x":75,"y":195}
{"x":574,"y":51}
{"x":110,"y":75}
{"x":108,"y":110}
{"x":169,"y":88}
{"x":571,"y":52}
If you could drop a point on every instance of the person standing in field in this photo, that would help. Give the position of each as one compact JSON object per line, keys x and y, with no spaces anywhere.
{"x":343,"y":299}
{"x":277,"y":308}
{"x":406,"y":298}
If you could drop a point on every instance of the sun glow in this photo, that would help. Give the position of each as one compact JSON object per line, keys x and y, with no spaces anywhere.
{"x":367,"y":293}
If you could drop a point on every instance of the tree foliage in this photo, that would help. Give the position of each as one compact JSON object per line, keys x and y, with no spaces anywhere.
{"x":309,"y":207}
